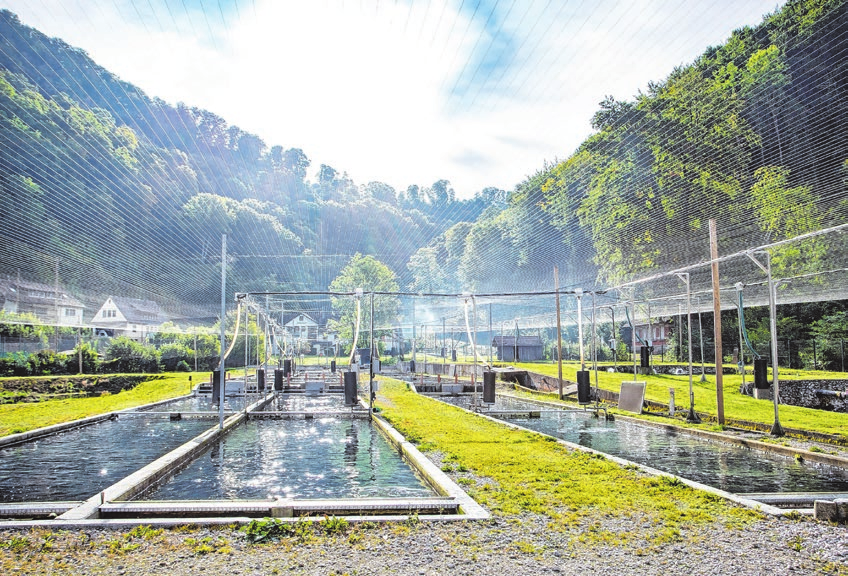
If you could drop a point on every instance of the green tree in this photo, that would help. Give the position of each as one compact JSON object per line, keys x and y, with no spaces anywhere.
{"x":371,"y":275}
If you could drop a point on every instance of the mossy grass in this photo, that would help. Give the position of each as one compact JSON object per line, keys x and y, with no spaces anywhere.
{"x":521,"y":471}
{"x":737,"y":406}
{"x":22,"y":417}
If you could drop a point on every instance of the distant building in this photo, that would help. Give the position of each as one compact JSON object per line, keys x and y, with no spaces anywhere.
{"x":301,"y":326}
{"x":529,"y":348}
{"x":656,"y":334}
{"x":128,"y":317}
{"x":45,"y":302}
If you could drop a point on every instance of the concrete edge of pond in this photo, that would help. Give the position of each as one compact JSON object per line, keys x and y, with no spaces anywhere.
{"x":163,"y":466}
{"x":80,"y":515}
{"x":735,"y":498}
{"x":440,"y":481}
{"x":818,"y":457}
{"x":30,"y":435}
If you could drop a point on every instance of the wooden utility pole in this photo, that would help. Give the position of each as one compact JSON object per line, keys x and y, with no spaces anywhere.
{"x":559,"y":332}
{"x":717,"y":321}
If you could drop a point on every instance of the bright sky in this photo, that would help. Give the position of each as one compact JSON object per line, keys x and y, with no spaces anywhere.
{"x":478,"y":92}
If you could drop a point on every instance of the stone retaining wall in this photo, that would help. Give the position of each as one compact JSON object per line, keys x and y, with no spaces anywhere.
{"x":804,"y":393}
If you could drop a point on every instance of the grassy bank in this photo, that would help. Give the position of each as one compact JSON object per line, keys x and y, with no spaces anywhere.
{"x":22,"y":417}
{"x":527,"y":472}
{"x":736,"y":406}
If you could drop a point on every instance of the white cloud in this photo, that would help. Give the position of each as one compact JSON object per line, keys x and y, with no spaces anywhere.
{"x":366,"y":87}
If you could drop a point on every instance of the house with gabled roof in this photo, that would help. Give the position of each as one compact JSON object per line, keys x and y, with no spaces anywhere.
{"x":130,"y":317}
{"x":51,"y":305}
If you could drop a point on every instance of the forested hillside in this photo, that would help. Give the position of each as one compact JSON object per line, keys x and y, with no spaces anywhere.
{"x":751,"y":134}
{"x":131,"y":194}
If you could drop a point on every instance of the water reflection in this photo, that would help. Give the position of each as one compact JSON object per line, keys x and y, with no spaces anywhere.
{"x":76,"y":464}
{"x":726,"y":466}
{"x":314,"y":458}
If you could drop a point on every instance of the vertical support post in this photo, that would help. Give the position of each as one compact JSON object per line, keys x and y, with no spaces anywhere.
{"x":246,"y":362}
{"x":701,"y":345}
{"x":559,"y":332}
{"x":444,"y":346}
{"x":223,"y":380}
{"x":717,"y":321}
{"x":739,"y":287}
{"x":371,"y":364}
{"x":692,"y":416}
{"x":491,"y":360}
{"x":776,"y":429}
{"x":842,"y":352}
{"x":477,"y":400}
{"x":56,"y":307}
{"x":633,"y":334}
{"x":614,"y":341}
{"x":579,"y":293}
{"x":594,"y":346}
{"x":413,"y":333}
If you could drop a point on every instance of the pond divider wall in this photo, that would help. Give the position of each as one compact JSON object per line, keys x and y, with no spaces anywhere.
{"x":111,"y":508}
{"x":162,"y":467}
{"x":22,"y":437}
{"x":818,"y":457}
{"x":434,"y":476}
{"x":747,"y":502}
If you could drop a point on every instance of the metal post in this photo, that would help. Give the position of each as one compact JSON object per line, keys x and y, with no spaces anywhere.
{"x":515,"y":344}
{"x":559,"y":332}
{"x":842,"y":352}
{"x":594,"y":345}
{"x":491,"y":360}
{"x":614,"y":341}
{"x":701,"y":345}
{"x":223,"y":378}
{"x":413,"y":332}
{"x":692,"y":416}
{"x":717,"y":321}
{"x":633,"y":334}
{"x":474,"y":373}
{"x":776,"y":429}
{"x":444,"y":347}
{"x":371,"y":365}
{"x":246,"y":336}
{"x":579,"y":293}
{"x":739,"y":287}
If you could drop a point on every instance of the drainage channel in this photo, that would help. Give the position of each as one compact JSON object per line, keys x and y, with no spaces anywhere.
{"x":749,"y":474}
{"x":248,"y":448}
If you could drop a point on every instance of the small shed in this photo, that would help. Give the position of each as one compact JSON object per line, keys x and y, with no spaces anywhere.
{"x":529,"y":348}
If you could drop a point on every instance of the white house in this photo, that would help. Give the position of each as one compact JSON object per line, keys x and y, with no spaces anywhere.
{"x":129,"y":317}
{"x":301,"y":326}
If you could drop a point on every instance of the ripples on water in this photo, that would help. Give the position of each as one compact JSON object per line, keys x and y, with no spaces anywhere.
{"x":315,"y":458}
{"x":76,"y":464}
{"x":722,"y":465}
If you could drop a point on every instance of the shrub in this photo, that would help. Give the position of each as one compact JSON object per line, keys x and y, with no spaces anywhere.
{"x":173,"y":354}
{"x":125,"y":355}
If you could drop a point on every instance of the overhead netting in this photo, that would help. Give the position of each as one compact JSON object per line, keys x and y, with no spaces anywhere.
{"x":110,"y":191}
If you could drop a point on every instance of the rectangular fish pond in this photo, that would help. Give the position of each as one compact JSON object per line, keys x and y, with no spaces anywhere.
{"x":728,"y":467}
{"x":78,"y":463}
{"x":303,"y":458}
{"x":307,"y":454}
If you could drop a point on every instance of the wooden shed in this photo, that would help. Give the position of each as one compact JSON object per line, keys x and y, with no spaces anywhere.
{"x":528,"y":349}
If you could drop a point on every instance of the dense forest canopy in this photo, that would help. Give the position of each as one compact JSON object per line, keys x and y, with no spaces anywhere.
{"x":131,"y":194}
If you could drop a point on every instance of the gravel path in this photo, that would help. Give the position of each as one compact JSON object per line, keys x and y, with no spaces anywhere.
{"x":502,"y":546}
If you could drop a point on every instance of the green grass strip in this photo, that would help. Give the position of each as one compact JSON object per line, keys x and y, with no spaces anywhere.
{"x":527,"y":472}
{"x":737,"y":406}
{"x":22,"y":417}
